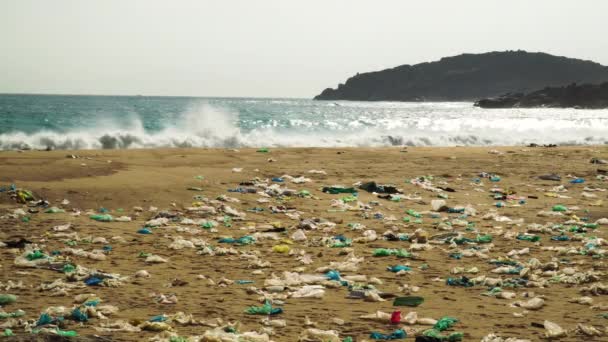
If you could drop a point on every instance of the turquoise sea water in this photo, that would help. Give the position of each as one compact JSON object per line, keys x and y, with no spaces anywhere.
{"x":85,"y":122}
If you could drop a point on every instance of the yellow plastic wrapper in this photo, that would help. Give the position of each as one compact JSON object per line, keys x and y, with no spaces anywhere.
{"x":281,"y":249}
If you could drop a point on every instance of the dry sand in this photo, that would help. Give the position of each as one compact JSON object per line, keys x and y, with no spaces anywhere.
{"x":116,"y":179}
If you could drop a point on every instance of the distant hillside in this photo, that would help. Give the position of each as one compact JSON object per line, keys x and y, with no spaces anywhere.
{"x":588,"y":96}
{"x":468,"y":77}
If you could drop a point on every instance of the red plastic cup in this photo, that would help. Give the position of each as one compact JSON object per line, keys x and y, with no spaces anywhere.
{"x":396,"y":317}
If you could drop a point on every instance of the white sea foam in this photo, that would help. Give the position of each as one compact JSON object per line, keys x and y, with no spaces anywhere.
{"x":209,"y":126}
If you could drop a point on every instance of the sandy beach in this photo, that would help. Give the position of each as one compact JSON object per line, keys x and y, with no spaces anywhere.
{"x":206,"y":285}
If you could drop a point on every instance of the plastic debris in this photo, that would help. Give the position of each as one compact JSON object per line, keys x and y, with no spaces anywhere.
{"x":408,"y":301}
{"x":265,"y":309}
{"x":513,"y":241}
{"x":395,"y":335}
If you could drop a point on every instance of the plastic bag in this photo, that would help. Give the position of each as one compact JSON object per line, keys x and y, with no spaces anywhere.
{"x":265,"y":309}
{"x":395,"y":335}
{"x":102,"y":217}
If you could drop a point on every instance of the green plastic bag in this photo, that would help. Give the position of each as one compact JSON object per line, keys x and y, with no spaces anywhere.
{"x":559,"y":207}
{"x":245,"y":240}
{"x":18,"y":313}
{"x":342,"y":244}
{"x":334,"y":190}
{"x":382,"y":252}
{"x":35,"y":255}
{"x":66,"y":333}
{"x":68,"y":268}
{"x":400,"y":253}
{"x":453,"y":337}
{"x":178,"y":339}
{"x":532,"y":238}
{"x":413,"y":213}
{"x":484,"y":238}
{"x":445,"y":323}
{"x":265,"y":309}
{"x":79,"y":316}
{"x":207,"y":225}
{"x":102,"y":217}
{"x":348,"y":199}
{"x":304,"y":193}
{"x":411,"y":301}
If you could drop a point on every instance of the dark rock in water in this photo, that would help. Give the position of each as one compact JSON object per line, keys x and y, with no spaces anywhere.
{"x":505,"y":101}
{"x":589,"y":96}
{"x":467,"y":77}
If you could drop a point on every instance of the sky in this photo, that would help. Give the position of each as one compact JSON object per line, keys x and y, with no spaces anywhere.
{"x":268,"y":48}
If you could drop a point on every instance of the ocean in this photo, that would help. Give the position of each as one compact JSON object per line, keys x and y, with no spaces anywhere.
{"x":112,"y":122}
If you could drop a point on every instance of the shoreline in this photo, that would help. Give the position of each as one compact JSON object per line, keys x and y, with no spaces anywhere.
{"x":112,"y":168}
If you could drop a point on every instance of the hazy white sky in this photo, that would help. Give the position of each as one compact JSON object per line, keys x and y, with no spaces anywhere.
{"x":270,"y":48}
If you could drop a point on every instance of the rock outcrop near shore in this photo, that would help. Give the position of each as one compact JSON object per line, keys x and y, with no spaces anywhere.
{"x":587,"y":96}
{"x":468,"y":77}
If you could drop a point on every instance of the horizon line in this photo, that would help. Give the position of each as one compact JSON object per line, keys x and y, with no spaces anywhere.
{"x":142,"y":95}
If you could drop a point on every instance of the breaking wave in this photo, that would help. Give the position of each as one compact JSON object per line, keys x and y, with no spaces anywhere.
{"x":206,"y":125}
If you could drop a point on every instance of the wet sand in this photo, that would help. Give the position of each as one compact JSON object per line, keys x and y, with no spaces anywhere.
{"x":123,"y":179}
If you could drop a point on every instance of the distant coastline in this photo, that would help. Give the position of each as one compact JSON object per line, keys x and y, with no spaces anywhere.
{"x":468,"y":77}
